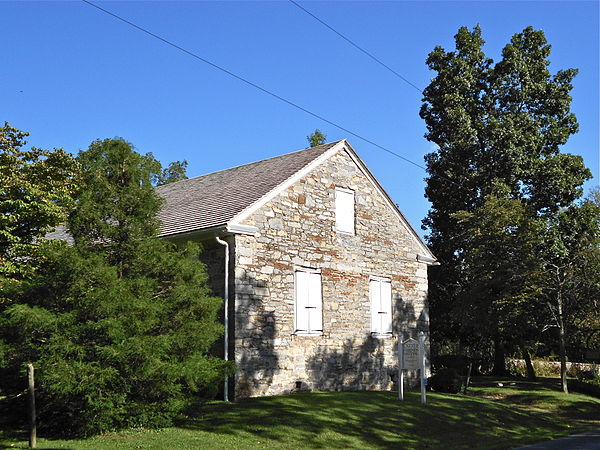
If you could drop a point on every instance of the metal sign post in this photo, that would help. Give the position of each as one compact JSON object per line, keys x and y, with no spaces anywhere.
{"x":400,"y":368}
{"x":422,"y":366}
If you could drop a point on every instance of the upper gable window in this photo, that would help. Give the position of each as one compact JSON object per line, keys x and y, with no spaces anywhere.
{"x":344,"y":210}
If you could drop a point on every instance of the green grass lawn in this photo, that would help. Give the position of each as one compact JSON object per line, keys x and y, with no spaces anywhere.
{"x":489,"y":417}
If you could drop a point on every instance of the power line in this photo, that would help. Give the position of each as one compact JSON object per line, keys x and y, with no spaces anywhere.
{"x":356,"y":46}
{"x":254,"y":85}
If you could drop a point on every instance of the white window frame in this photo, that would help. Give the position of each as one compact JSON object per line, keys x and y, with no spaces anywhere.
{"x":318,"y":308}
{"x":342,"y":229}
{"x":378,"y":309}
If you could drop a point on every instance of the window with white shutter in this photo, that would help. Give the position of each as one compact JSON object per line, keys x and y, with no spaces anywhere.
{"x":380,"y":292}
{"x":309,"y":302}
{"x":344,"y":210}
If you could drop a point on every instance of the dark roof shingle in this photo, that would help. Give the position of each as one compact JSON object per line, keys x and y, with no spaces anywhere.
{"x":214,"y":199}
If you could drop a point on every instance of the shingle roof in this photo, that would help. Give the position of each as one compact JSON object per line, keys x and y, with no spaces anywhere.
{"x":214,"y":199}
{"x":61,"y":233}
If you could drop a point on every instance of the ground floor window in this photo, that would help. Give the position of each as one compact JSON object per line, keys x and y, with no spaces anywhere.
{"x":380,"y":292}
{"x":309,"y":302}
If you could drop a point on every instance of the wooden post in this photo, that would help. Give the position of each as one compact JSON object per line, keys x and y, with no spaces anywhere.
{"x":31,"y":394}
{"x":468,"y":380}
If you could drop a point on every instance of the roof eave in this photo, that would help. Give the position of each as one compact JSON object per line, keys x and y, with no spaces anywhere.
{"x":219,"y":230}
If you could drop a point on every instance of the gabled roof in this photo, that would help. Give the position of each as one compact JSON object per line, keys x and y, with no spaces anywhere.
{"x":214,"y":199}
{"x":225,"y":198}
{"x":426,"y":256}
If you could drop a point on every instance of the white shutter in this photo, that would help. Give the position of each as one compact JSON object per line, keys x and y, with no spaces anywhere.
{"x":315,"y":303}
{"x":375,"y":294}
{"x":386,"y":307}
{"x":309,"y":302}
{"x":302,"y":299}
{"x":344,"y":210}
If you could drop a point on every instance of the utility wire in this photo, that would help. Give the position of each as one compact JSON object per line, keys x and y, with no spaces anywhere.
{"x":254,"y":85}
{"x":356,"y":45}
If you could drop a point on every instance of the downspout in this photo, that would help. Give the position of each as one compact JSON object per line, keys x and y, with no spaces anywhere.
{"x":226,"y":317}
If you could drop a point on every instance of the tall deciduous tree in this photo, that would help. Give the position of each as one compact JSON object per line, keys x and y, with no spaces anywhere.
{"x":36,"y":188}
{"x":498,"y":129}
{"x":119,"y":325}
{"x":570,"y":281}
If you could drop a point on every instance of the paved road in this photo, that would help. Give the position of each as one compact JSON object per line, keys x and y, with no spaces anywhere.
{"x":590,"y":440}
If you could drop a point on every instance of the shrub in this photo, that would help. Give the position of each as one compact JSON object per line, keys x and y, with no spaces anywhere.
{"x":589,"y":387}
{"x":120,"y":325}
{"x":587,"y":374}
{"x":446,"y":380}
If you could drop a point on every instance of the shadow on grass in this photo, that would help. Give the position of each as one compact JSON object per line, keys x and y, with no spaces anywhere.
{"x":378,"y":419}
{"x":542,"y":384}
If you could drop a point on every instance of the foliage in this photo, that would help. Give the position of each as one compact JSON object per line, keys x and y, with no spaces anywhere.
{"x":459,"y":363}
{"x":589,"y":375}
{"x":118,"y":326}
{"x":446,"y":380}
{"x":588,"y":387}
{"x":570,"y":280}
{"x":500,"y":269}
{"x":496,"y":183}
{"x":36,"y":188}
{"x":493,"y":417}
{"x":316,"y":138}
{"x":581,"y":268}
{"x":175,"y":171}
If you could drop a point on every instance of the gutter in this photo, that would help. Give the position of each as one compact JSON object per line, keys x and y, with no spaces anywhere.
{"x":226,"y":318}
{"x":211,"y":231}
{"x":427,"y":260}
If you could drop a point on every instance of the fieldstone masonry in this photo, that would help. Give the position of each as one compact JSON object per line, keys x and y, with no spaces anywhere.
{"x":297,"y":229}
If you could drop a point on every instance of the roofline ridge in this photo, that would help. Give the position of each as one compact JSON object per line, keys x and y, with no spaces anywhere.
{"x":306,"y":168}
{"x":332,"y":144}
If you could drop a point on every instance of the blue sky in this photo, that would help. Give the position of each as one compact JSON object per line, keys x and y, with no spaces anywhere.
{"x":72,"y":74}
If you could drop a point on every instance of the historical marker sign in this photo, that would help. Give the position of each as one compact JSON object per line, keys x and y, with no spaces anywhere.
{"x":411,"y":355}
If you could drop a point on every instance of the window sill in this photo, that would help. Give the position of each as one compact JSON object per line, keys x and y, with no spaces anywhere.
{"x":306,"y":333}
{"x":382,"y":336}
{"x":345,"y":233}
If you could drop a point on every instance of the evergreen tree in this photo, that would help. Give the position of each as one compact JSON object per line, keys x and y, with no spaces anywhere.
{"x":119,"y":326}
{"x":498,"y":128}
{"x":316,"y":138}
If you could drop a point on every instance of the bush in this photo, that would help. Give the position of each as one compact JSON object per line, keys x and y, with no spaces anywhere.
{"x":591,"y":387}
{"x":587,"y":374}
{"x":446,"y":380}
{"x":456,"y":362}
{"x":120,"y":325}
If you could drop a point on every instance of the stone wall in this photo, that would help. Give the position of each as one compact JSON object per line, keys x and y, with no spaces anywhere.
{"x":297,"y":228}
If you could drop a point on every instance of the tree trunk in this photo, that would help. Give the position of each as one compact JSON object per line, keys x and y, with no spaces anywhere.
{"x":527,"y":357}
{"x":499,"y":357}
{"x":32,"y":418}
{"x":561,"y":344}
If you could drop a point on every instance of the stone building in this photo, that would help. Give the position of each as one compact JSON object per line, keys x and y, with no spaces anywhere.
{"x":323,"y":270}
